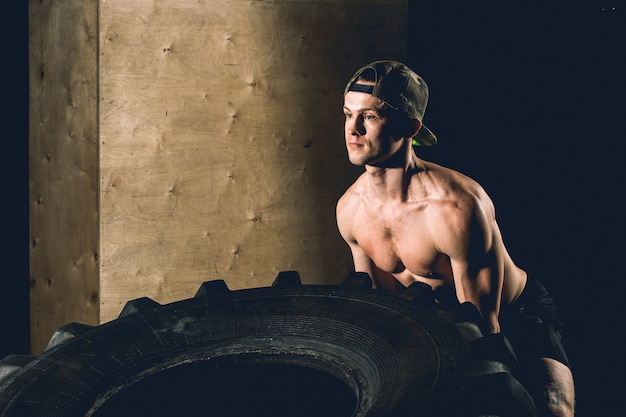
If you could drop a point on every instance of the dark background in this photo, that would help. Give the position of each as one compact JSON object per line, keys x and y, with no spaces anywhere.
{"x":527,"y":97}
{"x":14,"y":316}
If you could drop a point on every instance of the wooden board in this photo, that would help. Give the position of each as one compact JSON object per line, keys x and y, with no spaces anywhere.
{"x":63,"y":164}
{"x":220,"y":142}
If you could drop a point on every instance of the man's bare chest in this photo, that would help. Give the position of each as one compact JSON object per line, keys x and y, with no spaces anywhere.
{"x":398,"y":242}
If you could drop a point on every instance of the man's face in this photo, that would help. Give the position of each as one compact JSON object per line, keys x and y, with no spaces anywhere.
{"x":368,"y":132}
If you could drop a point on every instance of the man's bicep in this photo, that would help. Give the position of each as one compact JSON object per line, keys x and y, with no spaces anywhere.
{"x":478,"y":274}
{"x":362,"y":262}
{"x":466,"y":238}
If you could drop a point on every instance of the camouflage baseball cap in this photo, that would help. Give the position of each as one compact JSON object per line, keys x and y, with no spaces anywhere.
{"x":399,"y":88}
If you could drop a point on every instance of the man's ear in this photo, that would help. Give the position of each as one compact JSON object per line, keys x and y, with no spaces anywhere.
{"x":412,"y":126}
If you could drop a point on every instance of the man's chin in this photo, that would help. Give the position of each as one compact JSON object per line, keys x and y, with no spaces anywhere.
{"x":357,"y":161}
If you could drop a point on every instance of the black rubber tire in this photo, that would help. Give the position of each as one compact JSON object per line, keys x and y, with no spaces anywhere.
{"x":285,"y":350}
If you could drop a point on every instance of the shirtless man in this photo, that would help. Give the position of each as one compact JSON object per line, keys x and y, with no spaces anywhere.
{"x":407,"y":220}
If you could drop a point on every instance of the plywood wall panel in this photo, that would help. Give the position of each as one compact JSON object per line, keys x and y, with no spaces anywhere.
{"x":220,"y":140}
{"x":63,"y":166}
{"x":222,"y":152}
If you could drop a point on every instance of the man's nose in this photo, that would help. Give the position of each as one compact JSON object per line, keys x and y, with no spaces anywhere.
{"x":354,"y":126}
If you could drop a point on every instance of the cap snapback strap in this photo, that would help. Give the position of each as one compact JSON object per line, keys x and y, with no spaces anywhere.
{"x":361,"y":88}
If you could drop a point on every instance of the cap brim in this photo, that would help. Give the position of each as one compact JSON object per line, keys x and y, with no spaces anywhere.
{"x":424,"y":137}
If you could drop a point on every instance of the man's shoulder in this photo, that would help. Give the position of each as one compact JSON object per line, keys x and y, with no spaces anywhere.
{"x":349,"y":197}
{"x":354,"y":189}
{"x":442,"y":170}
{"x":450,"y":192}
{"x":446,"y":180}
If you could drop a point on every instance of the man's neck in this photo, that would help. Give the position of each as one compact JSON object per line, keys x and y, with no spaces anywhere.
{"x":391,"y":181}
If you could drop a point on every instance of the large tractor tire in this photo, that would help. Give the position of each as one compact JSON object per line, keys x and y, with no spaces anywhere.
{"x":285,"y":350}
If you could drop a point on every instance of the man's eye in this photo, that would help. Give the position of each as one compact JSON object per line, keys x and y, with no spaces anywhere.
{"x":369,"y":117}
{"x":348,"y":115}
